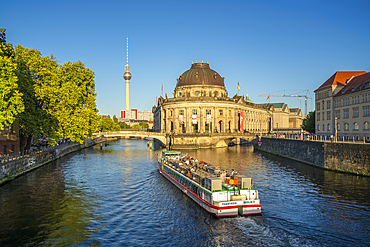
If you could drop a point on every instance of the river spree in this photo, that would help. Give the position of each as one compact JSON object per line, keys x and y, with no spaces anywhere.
{"x":116,"y":197}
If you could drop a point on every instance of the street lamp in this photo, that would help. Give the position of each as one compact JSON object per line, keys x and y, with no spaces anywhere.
{"x":260,"y":127}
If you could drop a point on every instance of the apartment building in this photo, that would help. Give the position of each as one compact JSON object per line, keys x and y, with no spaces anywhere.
{"x":342,"y":106}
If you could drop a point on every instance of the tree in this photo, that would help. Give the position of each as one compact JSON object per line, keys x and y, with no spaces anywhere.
{"x":73,"y":101}
{"x":11,"y":103}
{"x":59,"y":99}
{"x":309,"y":123}
{"x":115,"y":119}
{"x":123,"y":125}
{"x":107,"y":124}
{"x":48,"y":99}
{"x":33,"y":72}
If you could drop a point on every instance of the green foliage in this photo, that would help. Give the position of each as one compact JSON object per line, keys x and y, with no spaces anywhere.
{"x":140,"y":125}
{"x":107,"y":124}
{"x":48,"y":99}
{"x":124,"y":125}
{"x":11,"y":103}
{"x":309,"y":123}
{"x":73,"y":101}
{"x":2,"y":35}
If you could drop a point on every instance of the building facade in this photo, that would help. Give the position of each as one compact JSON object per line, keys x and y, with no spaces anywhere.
{"x":342,"y":106}
{"x":9,"y":139}
{"x":201,"y":105}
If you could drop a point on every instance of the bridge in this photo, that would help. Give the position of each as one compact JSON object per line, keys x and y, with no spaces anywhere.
{"x":186,"y":140}
{"x":128,"y":134}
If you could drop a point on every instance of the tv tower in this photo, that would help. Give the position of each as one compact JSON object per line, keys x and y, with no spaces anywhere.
{"x":127,"y":77}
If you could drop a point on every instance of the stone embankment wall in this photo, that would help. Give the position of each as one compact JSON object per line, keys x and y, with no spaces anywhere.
{"x":347,"y":157}
{"x":20,"y":165}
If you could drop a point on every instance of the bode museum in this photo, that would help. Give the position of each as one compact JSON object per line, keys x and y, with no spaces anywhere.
{"x":201,"y":106}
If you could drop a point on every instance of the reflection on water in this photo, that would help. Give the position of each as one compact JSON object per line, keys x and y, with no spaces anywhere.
{"x":115,"y":196}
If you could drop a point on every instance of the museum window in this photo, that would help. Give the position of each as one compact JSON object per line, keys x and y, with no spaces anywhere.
{"x":318,"y":127}
{"x":346,"y":126}
{"x":318,"y":106}
{"x":328,"y":115}
{"x":328,"y":127}
{"x":337,"y":114}
{"x":221,"y":112}
{"x":5,"y":149}
{"x":180,"y":94}
{"x":355,"y":112}
{"x":366,"y":111}
{"x":318,"y":116}
{"x":210,"y":94}
{"x":196,"y":93}
{"x":328,"y":104}
{"x":194,"y":112}
{"x":208,"y":111}
{"x":12,"y":148}
{"x":171,"y":113}
{"x":366,"y":125}
{"x":356,"y":126}
{"x":229,"y":112}
{"x":338,"y":127}
{"x":181,"y":112}
{"x":323,"y":127}
{"x":346,"y":113}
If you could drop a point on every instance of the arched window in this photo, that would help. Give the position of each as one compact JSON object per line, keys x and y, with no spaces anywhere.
{"x":356,"y":126}
{"x":366,"y":125}
{"x":318,"y":127}
{"x":323,"y":127}
{"x":346,"y":126}
{"x":338,"y":127}
{"x":328,"y":127}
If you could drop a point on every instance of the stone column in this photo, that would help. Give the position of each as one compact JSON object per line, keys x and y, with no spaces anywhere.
{"x":188,"y":120}
{"x":161,"y":119}
{"x":214,"y":120}
{"x":226,"y":128}
{"x":201,"y":120}
{"x":176,"y":122}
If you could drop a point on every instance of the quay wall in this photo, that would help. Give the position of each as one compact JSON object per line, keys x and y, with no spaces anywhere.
{"x":345,"y":157}
{"x":18,"y":166}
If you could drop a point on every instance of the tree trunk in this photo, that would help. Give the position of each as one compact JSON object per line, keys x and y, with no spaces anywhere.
{"x":22,"y":142}
{"x":29,"y":141}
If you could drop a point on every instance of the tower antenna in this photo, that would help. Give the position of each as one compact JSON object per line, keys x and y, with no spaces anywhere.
{"x":127,"y":50}
{"x":127,"y":77}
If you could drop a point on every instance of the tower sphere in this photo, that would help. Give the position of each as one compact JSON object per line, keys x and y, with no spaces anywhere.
{"x":127,"y":75}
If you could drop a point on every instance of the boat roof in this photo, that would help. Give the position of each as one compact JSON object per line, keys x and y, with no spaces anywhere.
{"x":171,"y":152}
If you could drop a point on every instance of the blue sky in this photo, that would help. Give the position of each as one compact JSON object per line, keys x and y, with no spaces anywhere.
{"x":268,"y":46}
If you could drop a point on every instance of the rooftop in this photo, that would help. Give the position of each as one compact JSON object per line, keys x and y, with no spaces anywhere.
{"x":340,"y":78}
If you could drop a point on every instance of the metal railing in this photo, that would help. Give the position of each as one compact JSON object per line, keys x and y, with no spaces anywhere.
{"x":37,"y":150}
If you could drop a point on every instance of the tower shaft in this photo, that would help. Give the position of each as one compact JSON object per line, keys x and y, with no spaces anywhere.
{"x":127,"y":77}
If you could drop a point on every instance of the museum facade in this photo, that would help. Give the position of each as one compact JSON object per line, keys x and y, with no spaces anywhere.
{"x":201,"y":105}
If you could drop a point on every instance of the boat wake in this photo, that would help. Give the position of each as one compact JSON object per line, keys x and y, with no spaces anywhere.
{"x":260,"y":235}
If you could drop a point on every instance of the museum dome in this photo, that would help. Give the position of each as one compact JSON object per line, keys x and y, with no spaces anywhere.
{"x":200,"y":74}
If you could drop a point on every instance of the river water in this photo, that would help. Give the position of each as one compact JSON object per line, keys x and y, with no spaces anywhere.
{"x":116,"y":197}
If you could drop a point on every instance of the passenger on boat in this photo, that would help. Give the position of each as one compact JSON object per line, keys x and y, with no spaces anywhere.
{"x":232,"y":174}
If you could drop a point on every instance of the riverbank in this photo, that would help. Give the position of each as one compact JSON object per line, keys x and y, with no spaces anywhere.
{"x":13,"y":167}
{"x":343,"y":157}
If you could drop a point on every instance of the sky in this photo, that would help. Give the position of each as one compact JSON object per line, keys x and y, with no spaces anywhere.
{"x":269,"y":47}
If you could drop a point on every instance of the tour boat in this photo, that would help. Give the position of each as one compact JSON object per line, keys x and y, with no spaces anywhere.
{"x":211,"y":187}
